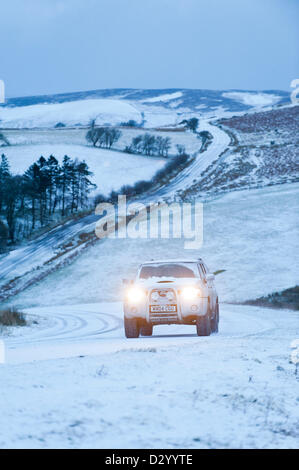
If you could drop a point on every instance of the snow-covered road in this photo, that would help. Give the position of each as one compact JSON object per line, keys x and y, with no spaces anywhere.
{"x":93,"y":329}
{"x":234,"y":389}
{"x":187,"y":177}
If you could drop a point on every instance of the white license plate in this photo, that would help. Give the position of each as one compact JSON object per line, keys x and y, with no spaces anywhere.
{"x":162,"y":308}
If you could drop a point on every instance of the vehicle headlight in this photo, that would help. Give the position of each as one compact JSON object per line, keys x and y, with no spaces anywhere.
{"x":190,"y":293}
{"x":135,"y":294}
{"x":155,"y":296}
{"x":170,"y":295}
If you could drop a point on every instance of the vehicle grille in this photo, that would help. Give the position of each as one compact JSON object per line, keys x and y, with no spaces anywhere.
{"x":163,"y":296}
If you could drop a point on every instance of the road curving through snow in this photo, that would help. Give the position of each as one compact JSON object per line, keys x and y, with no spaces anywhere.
{"x":93,"y":329}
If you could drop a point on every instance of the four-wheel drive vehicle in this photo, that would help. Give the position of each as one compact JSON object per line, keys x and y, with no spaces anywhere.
{"x":166,"y":292}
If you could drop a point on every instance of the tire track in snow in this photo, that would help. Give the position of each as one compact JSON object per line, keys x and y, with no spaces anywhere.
{"x":69,"y":327}
{"x":79,"y":330}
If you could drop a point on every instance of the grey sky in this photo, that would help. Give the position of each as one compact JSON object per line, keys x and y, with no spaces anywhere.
{"x":49,"y":46}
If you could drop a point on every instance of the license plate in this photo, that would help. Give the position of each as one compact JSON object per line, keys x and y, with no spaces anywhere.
{"x":162,"y":308}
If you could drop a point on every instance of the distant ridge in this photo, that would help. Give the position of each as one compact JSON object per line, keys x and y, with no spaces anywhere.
{"x":190,"y":97}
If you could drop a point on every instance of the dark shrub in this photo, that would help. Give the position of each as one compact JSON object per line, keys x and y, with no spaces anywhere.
{"x":142,"y":186}
{"x":100,"y":198}
{"x":130,"y":123}
{"x":12,"y":317}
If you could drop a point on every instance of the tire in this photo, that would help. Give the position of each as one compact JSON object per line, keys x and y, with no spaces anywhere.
{"x":215,"y":319}
{"x":132,"y":328}
{"x":203,"y":325}
{"x":146,"y":329}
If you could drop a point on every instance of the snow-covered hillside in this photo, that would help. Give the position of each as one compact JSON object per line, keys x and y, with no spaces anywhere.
{"x":252,"y":235}
{"x":258,"y":100}
{"x":263,"y":151}
{"x":76,"y":113}
{"x":147,"y":107}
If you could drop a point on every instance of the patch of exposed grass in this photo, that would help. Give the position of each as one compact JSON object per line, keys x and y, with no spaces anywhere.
{"x":288,"y":298}
{"x":12,"y":317}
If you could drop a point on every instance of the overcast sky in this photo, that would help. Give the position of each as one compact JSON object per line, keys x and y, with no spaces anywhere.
{"x":52,"y":46}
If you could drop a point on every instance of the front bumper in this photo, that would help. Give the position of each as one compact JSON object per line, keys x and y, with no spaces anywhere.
{"x":186,"y":311}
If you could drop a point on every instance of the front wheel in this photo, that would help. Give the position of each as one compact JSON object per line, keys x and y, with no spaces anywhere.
{"x":203,"y":325}
{"x":132,"y":329}
{"x":146,"y":329}
{"x":215,"y":319}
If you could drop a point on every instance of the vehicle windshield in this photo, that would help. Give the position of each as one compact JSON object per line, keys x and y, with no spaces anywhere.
{"x":180,"y":270}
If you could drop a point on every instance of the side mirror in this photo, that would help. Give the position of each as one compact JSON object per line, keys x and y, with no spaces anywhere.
{"x":126,"y":282}
{"x":210,"y":277}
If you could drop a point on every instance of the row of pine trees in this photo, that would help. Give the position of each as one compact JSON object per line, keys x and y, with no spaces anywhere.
{"x":47,"y":191}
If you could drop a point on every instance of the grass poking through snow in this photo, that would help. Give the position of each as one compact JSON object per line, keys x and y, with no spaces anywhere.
{"x":12,"y":317}
{"x":288,"y":298}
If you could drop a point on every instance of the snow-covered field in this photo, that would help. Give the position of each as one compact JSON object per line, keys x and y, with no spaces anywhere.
{"x":232,"y":390}
{"x":111,"y":169}
{"x":72,"y":136}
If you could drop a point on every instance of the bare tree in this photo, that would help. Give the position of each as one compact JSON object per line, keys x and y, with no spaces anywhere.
{"x":103,"y":136}
{"x":149,"y":144}
{"x":113,"y":136}
{"x":181,"y":149}
{"x":93,"y":136}
{"x":166,"y":144}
